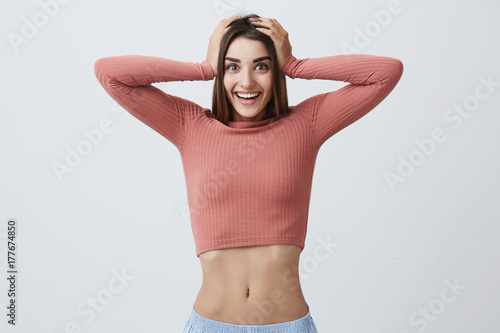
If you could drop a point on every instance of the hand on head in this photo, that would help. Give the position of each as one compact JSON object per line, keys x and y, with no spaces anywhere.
{"x":267,"y":26}
{"x":273,"y":29}
{"x":215,"y":40}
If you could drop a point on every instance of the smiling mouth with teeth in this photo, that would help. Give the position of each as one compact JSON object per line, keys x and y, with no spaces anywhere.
{"x":248,"y":96}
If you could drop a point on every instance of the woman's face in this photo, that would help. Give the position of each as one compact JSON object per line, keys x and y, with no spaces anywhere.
{"x":248,"y":79}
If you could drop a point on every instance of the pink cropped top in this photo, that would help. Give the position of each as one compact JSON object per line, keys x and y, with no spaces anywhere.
{"x":248,"y":183}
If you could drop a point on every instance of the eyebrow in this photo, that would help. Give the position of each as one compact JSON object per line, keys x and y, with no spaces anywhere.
{"x":255,"y":60}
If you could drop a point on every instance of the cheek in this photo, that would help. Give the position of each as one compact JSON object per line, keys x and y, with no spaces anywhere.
{"x":227,"y":86}
{"x":269,"y":85}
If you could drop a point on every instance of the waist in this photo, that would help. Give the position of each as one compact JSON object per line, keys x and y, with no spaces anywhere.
{"x":255,"y":285}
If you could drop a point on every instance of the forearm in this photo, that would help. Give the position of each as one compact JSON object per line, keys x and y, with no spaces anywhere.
{"x":137,"y":70}
{"x":353,"y":68}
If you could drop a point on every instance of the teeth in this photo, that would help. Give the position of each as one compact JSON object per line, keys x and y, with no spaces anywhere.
{"x":247,"y":95}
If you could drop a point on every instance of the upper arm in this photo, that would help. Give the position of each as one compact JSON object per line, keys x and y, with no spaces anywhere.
{"x":166,"y":114}
{"x":333,"y":111}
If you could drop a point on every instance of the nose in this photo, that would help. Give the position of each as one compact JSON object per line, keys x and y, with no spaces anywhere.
{"x":246,"y":79}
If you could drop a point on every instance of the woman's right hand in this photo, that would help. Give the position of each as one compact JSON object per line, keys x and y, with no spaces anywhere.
{"x":215,"y":40}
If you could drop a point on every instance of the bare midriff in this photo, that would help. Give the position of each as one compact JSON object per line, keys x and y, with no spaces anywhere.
{"x":256,"y":285}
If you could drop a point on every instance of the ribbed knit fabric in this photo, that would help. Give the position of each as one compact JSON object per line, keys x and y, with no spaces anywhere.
{"x":248,"y":183}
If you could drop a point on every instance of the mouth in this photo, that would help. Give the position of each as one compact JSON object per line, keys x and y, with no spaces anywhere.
{"x":247,"y":98}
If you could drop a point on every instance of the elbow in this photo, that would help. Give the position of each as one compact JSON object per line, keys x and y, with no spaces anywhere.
{"x":97,"y":69}
{"x":398,"y":69}
{"x":394,"y":71}
{"x":103,"y":70}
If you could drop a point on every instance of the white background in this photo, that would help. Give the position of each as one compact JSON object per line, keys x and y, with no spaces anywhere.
{"x":123,"y":208}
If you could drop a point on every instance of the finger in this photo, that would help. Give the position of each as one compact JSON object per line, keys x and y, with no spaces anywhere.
{"x":261,"y":25}
{"x":259,"y":21}
{"x":269,"y":23}
{"x":266,"y":24}
{"x":263,"y":30}
{"x":270,"y":31}
{"x":260,"y":18}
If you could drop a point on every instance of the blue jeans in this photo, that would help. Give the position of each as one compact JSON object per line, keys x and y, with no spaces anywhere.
{"x":199,"y":324}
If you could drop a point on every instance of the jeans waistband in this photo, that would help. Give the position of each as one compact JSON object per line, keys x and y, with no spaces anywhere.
{"x":197,"y":323}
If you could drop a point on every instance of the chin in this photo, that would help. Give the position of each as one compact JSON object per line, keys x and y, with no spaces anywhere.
{"x":248,"y":114}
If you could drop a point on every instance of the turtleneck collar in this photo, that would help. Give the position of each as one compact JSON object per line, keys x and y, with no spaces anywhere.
{"x":250,"y":124}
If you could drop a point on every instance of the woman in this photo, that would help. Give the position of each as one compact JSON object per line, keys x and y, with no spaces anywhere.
{"x":249,"y":161}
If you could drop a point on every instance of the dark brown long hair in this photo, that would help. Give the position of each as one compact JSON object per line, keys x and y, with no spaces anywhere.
{"x":221,"y":107}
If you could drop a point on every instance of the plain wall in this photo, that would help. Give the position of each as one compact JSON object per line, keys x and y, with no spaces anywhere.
{"x":420,"y":254}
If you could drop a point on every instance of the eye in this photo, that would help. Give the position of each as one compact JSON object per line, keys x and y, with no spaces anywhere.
{"x":231,"y":67}
{"x":262,"y":66}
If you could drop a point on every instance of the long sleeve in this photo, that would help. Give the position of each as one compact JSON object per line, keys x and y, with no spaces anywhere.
{"x":128,"y":79}
{"x":371,"y":79}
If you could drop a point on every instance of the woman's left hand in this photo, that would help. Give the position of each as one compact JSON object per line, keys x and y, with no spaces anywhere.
{"x":273,"y":29}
